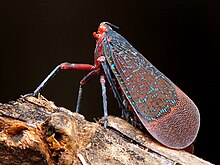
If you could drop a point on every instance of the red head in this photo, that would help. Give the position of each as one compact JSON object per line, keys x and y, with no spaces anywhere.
{"x":103,"y":27}
{"x":101,"y":30}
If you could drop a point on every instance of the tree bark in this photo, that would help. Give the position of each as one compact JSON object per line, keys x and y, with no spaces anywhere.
{"x":36,"y":131}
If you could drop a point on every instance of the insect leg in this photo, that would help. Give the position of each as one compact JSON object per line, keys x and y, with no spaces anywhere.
{"x":44,"y":82}
{"x":123,"y":103}
{"x":111,"y":83}
{"x":85,"y":79}
{"x":104,"y":98}
{"x":63,"y":66}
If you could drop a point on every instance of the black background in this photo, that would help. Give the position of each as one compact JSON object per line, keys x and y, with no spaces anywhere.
{"x":181,"y":38}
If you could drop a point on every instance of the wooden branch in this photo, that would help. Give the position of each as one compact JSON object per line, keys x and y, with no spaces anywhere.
{"x":36,"y":131}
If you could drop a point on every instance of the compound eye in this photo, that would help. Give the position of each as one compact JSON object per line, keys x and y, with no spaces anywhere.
{"x":102,"y":28}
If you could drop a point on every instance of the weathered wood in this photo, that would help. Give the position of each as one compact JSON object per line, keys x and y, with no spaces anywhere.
{"x":36,"y":131}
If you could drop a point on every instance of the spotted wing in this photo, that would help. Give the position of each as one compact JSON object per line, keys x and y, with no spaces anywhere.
{"x":150,"y":93}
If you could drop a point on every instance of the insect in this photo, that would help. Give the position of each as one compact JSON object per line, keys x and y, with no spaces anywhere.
{"x":168,"y":114}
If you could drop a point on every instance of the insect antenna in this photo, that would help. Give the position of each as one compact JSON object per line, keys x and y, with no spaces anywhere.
{"x":110,"y":24}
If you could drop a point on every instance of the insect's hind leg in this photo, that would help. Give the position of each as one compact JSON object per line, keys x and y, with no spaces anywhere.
{"x":84,"y":81}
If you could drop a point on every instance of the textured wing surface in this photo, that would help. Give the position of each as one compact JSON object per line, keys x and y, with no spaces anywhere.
{"x":150,"y":93}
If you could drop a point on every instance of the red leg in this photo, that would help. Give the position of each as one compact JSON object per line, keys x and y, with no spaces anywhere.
{"x":69,"y":66}
{"x":66,"y":66}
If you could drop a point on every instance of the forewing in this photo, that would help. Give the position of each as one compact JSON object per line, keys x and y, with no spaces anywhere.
{"x":150,"y":93}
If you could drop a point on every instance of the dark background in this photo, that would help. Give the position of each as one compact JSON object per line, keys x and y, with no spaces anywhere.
{"x":181,"y":38}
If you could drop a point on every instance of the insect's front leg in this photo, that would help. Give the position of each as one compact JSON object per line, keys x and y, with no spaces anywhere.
{"x":62,"y":66}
